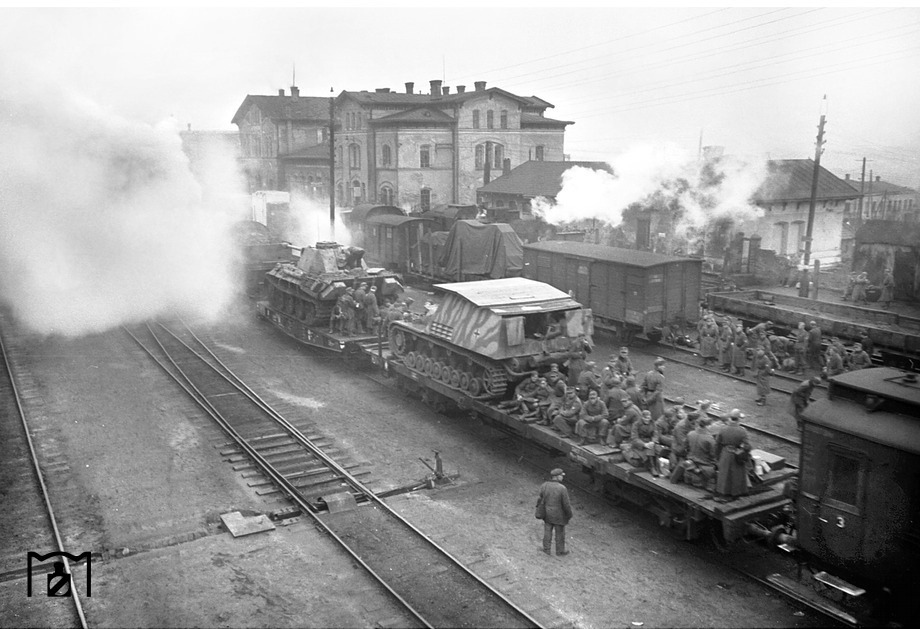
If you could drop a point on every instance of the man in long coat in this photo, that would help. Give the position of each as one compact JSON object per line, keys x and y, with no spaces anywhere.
{"x":859,"y":290}
{"x":887,"y":289}
{"x":739,"y":351}
{"x":653,"y":389}
{"x":566,"y":414}
{"x":709,"y":336}
{"x":800,"y":348}
{"x":557,"y":512}
{"x":733,"y":454}
{"x":815,"y":359}
{"x":801,"y":397}
{"x":371,"y":310}
{"x":359,"y":295}
{"x":725,"y":345}
{"x":763,"y":369}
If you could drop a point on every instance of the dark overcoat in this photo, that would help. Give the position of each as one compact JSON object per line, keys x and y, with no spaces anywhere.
{"x":555,"y":498}
{"x":732,"y":479}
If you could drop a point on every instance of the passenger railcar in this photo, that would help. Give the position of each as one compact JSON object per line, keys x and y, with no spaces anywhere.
{"x":629,"y":291}
{"x":356,"y":218}
{"x":396,"y":242}
{"x":858,"y":503}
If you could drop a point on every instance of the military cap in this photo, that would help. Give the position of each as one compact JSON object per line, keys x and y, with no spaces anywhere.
{"x":556,"y":472}
{"x":659,"y":361}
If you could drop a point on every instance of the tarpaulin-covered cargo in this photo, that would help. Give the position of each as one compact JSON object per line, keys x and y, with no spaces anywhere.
{"x":475,"y":249}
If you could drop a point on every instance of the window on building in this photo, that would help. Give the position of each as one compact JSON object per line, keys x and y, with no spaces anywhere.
{"x":424,"y":156}
{"x":504,"y":119}
{"x":539,"y":152}
{"x":354,"y":156}
{"x":386,"y":195}
{"x":499,"y":156}
{"x":475,"y":118}
{"x":480,"y":155}
{"x":425,"y":199}
{"x":356,"y":190}
{"x":386,"y":155}
{"x":490,"y":119}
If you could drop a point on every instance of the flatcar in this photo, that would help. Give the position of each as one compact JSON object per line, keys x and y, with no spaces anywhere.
{"x":629,"y":291}
{"x":858,"y":501}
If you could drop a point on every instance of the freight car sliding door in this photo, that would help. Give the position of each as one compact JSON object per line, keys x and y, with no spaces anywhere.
{"x":576,"y":278}
{"x":608,"y":291}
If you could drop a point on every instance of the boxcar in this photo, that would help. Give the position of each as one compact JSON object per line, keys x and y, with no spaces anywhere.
{"x":395,"y":242}
{"x":858,"y":507}
{"x":356,"y":218}
{"x":629,"y":291}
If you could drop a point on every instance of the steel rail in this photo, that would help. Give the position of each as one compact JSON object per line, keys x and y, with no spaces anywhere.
{"x":353,"y":481}
{"x":41,"y":481}
{"x":286,"y":486}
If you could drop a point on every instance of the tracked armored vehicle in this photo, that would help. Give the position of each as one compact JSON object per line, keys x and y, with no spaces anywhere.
{"x":308,"y":290}
{"x":483,"y":336}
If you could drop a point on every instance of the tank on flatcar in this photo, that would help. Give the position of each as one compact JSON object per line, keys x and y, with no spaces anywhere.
{"x":629,"y":291}
{"x":309,"y":289}
{"x":858,"y":503}
{"x":484,"y":335}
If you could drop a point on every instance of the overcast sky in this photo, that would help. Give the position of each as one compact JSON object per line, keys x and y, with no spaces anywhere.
{"x":748,"y":79}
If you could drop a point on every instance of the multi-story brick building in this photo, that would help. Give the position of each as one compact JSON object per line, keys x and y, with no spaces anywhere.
{"x":284,"y":142}
{"x":397,"y":148}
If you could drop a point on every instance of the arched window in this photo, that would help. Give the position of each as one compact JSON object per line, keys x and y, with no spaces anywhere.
{"x":499,"y":152}
{"x":480,"y":155}
{"x":475,"y":118}
{"x":354,"y":156}
{"x":539,"y":153}
{"x":490,"y":119}
{"x":425,"y":198}
{"x":386,"y":195}
{"x":504,"y":119}
{"x":386,"y":155}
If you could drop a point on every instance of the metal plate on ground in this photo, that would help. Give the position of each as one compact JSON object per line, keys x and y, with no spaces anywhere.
{"x":239,"y":524}
{"x":342,"y":501}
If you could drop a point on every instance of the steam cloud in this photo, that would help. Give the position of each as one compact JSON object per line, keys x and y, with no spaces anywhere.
{"x":659,"y":176}
{"x":102,"y":221}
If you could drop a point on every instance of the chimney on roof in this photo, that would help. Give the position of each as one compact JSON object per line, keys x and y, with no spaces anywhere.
{"x":435,"y":87}
{"x":445,"y":91}
{"x":846,"y":177}
{"x":480,"y":85}
{"x":281,"y":92}
{"x":461,"y":89}
{"x":506,"y":166}
{"x":382,"y":90}
{"x":295,"y":91}
{"x":878,"y":178}
{"x":410,"y":88}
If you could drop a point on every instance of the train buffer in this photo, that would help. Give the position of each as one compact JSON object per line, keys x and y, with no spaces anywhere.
{"x":838,"y":584}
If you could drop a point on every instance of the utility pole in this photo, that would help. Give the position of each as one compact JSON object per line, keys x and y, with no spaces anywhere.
{"x":331,"y":167}
{"x":862,"y":191}
{"x":819,"y":148}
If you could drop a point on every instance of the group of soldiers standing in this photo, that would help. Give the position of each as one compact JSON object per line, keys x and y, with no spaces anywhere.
{"x":613,"y":407}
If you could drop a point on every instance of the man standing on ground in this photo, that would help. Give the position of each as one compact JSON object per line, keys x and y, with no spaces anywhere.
{"x":887,"y":289}
{"x":815,"y":359}
{"x":557,"y":511}
{"x":762,"y":372}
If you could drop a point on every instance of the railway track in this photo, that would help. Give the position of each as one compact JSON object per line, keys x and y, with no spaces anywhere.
{"x":28,"y":519}
{"x":433,"y":586}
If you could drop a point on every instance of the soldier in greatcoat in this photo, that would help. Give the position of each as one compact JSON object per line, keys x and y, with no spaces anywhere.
{"x":859,"y":290}
{"x":633,"y":392}
{"x":592,"y":421}
{"x":556,"y":510}
{"x":739,"y":351}
{"x":763,"y":369}
{"x":566,"y":414}
{"x":725,"y":345}
{"x":699,"y":469}
{"x":359,"y":307}
{"x":887,"y":289}
{"x":801,"y":397}
{"x":371,"y":310}
{"x":733,"y":453}
{"x":623,"y":364}
{"x":644,"y":445}
{"x":709,"y":335}
{"x":622,"y":430}
{"x":348,"y":311}
{"x":815,"y":359}
{"x":653,"y":389}
{"x":859,"y":359}
{"x":800,"y":347}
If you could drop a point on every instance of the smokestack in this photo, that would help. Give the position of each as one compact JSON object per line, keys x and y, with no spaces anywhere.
{"x":480,"y":85}
{"x":295,"y":91}
{"x":281,"y":92}
{"x":410,"y":87}
{"x":461,"y":89}
{"x":445,"y":91}
{"x":435,"y":87}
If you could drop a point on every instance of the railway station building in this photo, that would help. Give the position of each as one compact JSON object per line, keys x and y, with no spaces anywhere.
{"x":408,"y":149}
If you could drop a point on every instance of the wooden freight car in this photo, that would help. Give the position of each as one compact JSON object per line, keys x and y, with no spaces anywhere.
{"x":629,"y":291}
{"x":395,"y":242}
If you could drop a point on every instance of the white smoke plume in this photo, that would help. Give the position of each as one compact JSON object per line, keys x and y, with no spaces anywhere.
{"x":658,"y":176}
{"x":102,"y":222}
{"x":311,"y":223}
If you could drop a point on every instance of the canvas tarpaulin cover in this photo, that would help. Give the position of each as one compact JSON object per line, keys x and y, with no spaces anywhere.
{"x":486,"y":249}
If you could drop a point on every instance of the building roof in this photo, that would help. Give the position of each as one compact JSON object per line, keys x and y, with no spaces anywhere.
{"x":536,"y":178}
{"x":394,"y":220}
{"x":535,"y":120}
{"x":318,"y":151}
{"x":628,"y":257}
{"x":285,"y":107}
{"x":879,"y":187}
{"x":881,"y":232}
{"x":505,"y":292}
{"x":416,"y":98}
{"x":790,"y":180}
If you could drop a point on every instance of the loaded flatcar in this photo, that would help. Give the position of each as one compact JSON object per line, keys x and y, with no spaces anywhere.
{"x":629,"y":291}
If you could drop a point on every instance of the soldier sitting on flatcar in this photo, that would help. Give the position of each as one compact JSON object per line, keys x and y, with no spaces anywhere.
{"x":680,"y":444}
{"x":699,"y":469}
{"x":525,"y":397}
{"x":622,"y":429}
{"x":589,"y":380}
{"x":566,"y":415}
{"x":834,"y":365}
{"x":644,"y":445}
{"x":553,"y":376}
{"x":545,"y":398}
{"x":592,"y":421}
{"x":859,"y":359}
